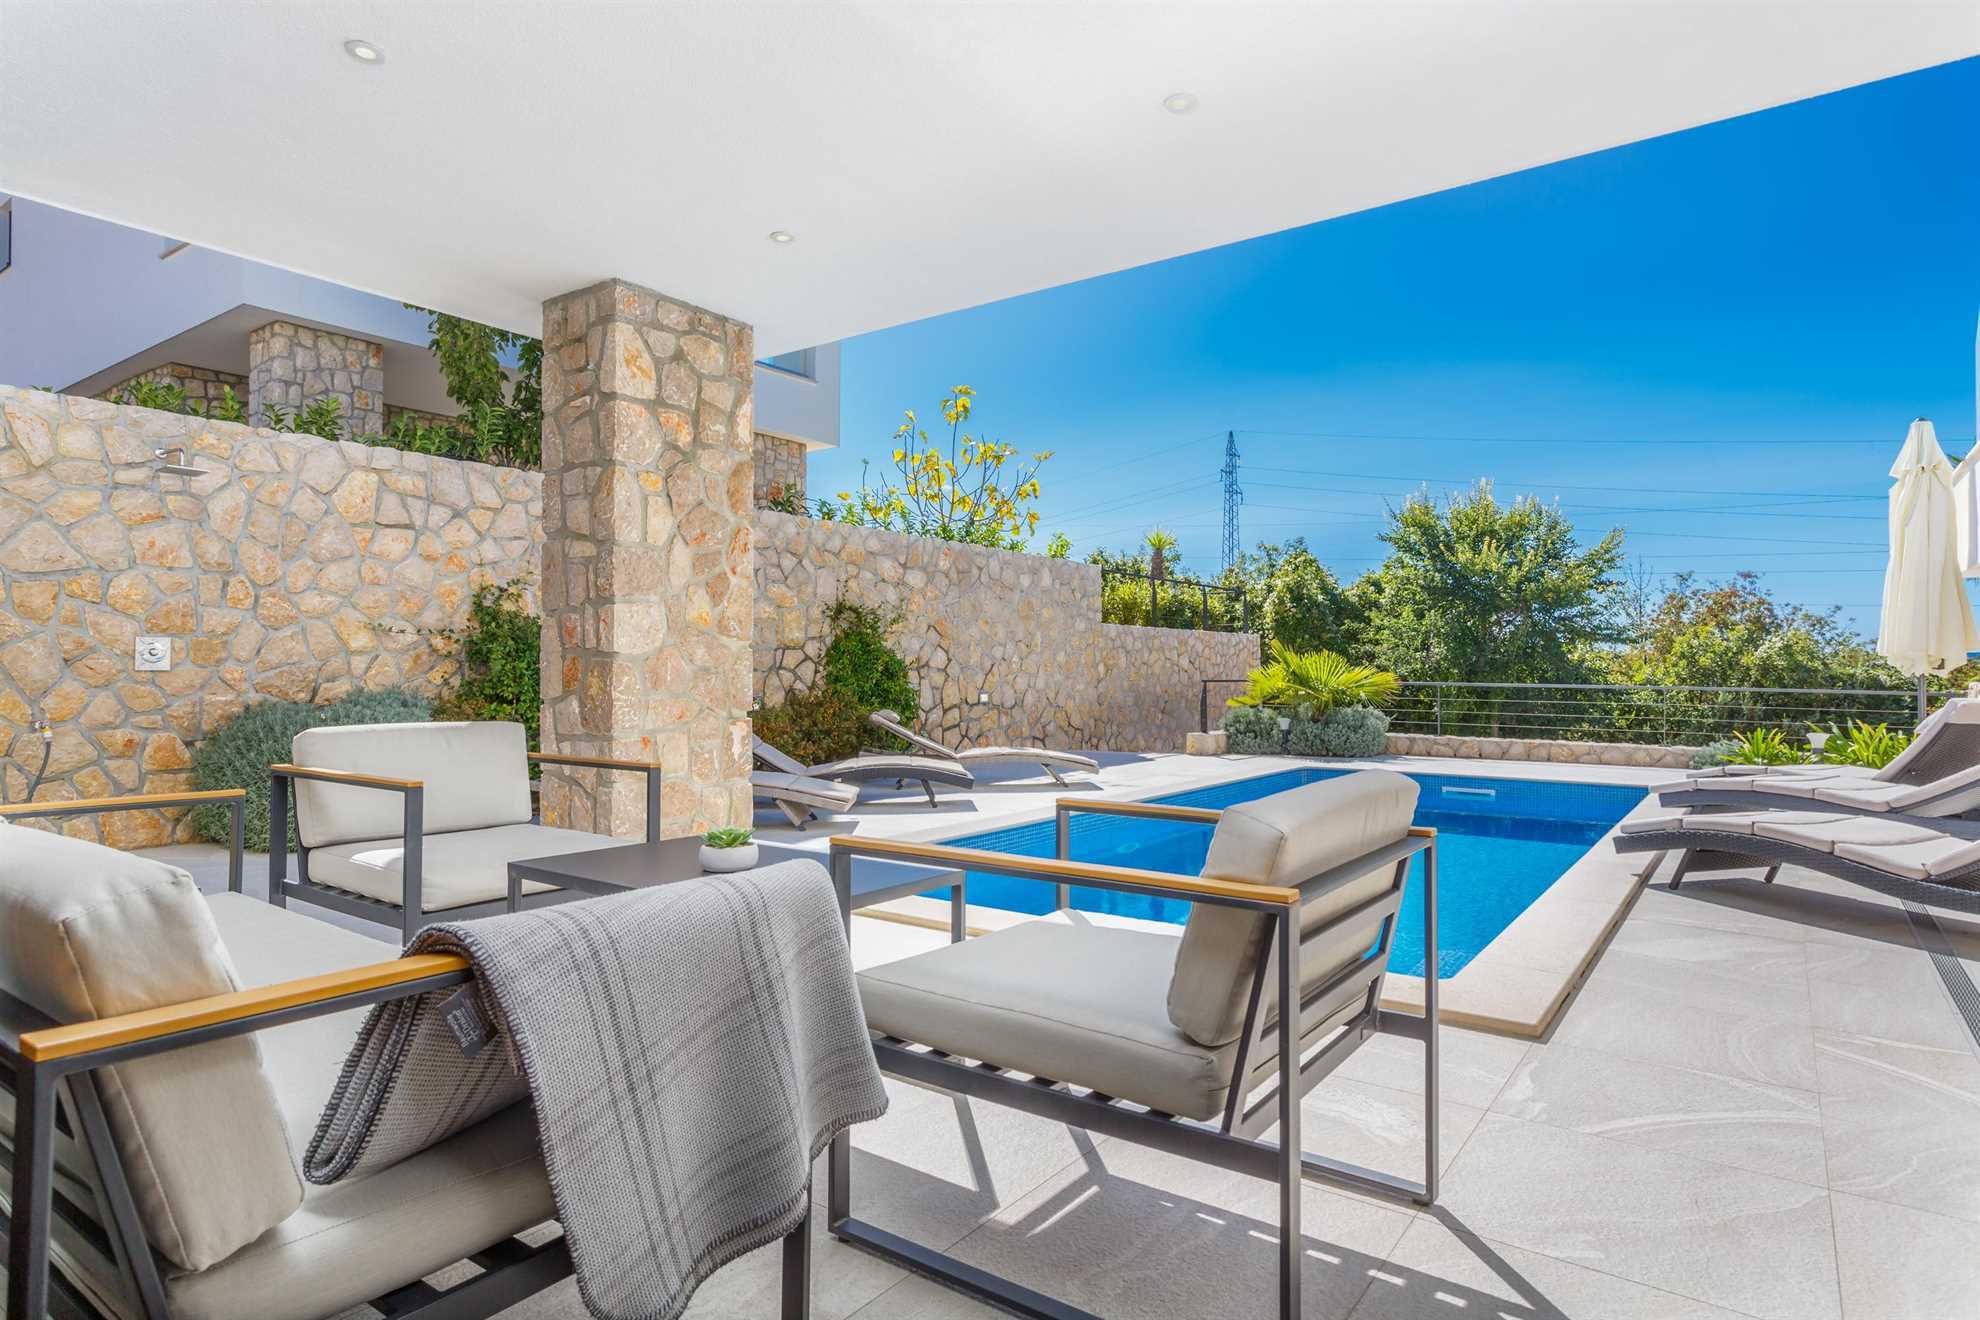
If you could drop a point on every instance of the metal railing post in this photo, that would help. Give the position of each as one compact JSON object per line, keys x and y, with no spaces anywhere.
{"x":1437,"y":703}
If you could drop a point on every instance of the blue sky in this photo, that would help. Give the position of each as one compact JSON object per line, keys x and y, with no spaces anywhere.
{"x":1767,"y":302}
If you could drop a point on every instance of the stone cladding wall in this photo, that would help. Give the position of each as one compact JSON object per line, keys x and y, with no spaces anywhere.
{"x":1539,"y":749}
{"x":297,"y":568}
{"x":200,"y":384}
{"x":1022,"y":631}
{"x":291,"y":366}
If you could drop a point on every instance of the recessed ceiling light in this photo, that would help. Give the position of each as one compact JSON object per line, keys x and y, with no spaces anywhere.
{"x":1179,"y":103}
{"x":782,"y":236}
{"x":363,"y":52}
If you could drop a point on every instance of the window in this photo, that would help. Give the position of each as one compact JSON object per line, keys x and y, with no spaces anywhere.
{"x":801,"y":363}
{"x":6,"y":232}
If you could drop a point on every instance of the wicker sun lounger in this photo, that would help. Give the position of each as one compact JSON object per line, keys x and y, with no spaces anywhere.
{"x":928,"y":771}
{"x":1052,"y":762}
{"x":1937,"y":865}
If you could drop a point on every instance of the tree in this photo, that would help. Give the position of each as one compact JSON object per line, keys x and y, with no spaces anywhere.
{"x":1160,"y":543}
{"x":501,"y":421}
{"x":1304,"y":606}
{"x":1735,"y":634}
{"x":973,"y":490}
{"x":1482,"y":591}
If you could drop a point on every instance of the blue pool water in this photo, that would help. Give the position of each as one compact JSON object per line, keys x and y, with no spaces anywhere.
{"x":1500,"y":844}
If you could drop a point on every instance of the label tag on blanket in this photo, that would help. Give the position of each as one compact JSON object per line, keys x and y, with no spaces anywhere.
{"x":462,"y":1013}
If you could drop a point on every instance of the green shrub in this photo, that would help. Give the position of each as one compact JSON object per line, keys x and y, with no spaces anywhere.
{"x":1713,"y":753}
{"x":1355,"y":731}
{"x":1872,"y":745}
{"x":238,"y":754}
{"x":822,"y":724}
{"x":859,"y":663}
{"x":1764,"y":747}
{"x":1252,"y":729}
{"x":1307,"y":738}
{"x":500,"y":648}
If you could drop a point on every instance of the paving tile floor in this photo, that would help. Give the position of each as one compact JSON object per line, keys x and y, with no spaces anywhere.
{"x":1762,"y":1103}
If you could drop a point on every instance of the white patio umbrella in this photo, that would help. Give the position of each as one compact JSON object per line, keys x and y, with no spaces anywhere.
{"x":1927,"y":625}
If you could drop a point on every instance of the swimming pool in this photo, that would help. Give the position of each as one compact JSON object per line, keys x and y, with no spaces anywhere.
{"x":1500,"y":844}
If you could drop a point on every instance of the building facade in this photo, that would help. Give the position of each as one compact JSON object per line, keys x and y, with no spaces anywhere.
{"x":91,"y":308}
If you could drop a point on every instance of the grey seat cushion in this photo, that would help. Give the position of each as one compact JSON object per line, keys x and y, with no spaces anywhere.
{"x":1283,"y":840}
{"x":781,"y":786}
{"x":475,"y":775}
{"x":470,"y":866}
{"x":88,"y":932}
{"x":354,"y":1241}
{"x":1076,"y":1003}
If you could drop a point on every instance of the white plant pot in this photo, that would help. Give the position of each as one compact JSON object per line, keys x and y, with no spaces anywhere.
{"x":720,"y":861}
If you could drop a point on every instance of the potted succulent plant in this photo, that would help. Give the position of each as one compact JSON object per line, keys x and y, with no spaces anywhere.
{"x":727,"y":850}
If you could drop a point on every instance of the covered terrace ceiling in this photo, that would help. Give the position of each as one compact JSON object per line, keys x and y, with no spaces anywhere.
{"x":924,"y":155}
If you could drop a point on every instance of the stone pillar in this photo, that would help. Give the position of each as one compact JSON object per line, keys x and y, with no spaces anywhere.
{"x":779,"y":469}
{"x":291,"y":366}
{"x":648,"y":578}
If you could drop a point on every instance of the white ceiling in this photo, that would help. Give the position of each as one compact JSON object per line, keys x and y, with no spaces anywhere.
{"x":928,"y":154}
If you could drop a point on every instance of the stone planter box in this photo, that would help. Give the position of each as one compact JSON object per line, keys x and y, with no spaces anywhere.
{"x":1214,"y":743}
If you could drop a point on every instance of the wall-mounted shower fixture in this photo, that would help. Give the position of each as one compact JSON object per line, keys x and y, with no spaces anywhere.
{"x":172,"y":463}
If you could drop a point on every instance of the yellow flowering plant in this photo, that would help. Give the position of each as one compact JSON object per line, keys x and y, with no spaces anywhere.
{"x":972,"y":489}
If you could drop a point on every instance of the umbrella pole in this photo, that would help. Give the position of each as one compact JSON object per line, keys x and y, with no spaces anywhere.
{"x":1921,"y":698}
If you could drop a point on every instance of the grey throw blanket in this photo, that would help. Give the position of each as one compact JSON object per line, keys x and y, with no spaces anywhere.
{"x":689,"y":1049}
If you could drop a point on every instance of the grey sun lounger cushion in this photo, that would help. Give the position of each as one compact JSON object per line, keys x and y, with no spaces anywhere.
{"x":1949,"y":795}
{"x":1897,"y":848}
{"x":1946,"y":742}
{"x":822,"y":794}
{"x":877,"y":765}
{"x":1053,"y":761}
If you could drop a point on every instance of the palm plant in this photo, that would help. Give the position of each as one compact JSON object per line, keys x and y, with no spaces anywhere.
{"x":1160,"y":543}
{"x":1319,"y":680}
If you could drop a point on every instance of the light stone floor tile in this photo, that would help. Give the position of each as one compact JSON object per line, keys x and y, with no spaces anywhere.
{"x":1472,"y":1066}
{"x":1918,"y":1016}
{"x":1851,"y":1066}
{"x":1765,"y":1129}
{"x":1869,"y":964}
{"x":1442,"y":1271}
{"x":1378,"y":1127}
{"x":1765,"y":957}
{"x":1899,"y":1264}
{"x":1144,"y":1234}
{"x":1734,"y":1239}
{"x":915,"y":1298}
{"x":1915,"y":1145}
{"x":1779,"y":993}
{"x":1643,"y":1025}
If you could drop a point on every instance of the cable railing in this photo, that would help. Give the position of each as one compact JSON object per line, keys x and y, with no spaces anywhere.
{"x":1676,"y":715}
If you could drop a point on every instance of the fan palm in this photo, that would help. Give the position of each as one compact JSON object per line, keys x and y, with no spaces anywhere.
{"x":1321,"y":680}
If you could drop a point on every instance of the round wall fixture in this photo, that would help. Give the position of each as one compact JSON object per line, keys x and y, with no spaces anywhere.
{"x":1179,"y":103}
{"x":363,"y":51}
{"x":782,"y":236}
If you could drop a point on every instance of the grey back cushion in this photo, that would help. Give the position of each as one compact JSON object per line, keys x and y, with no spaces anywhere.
{"x":87,"y":932}
{"x":476,"y":775}
{"x":1282,"y":840}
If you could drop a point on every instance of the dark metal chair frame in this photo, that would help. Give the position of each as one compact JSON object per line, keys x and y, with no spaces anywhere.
{"x":1233,"y":1143}
{"x":50,"y":1071}
{"x":409,"y":915}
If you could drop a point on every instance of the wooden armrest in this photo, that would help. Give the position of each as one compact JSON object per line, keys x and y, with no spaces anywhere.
{"x":350,"y":777}
{"x":152,"y":1023}
{"x":1422,"y":832}
{"x":133,"y":802}
{"x":592,"y":762}
{"x":1148,"y":810}
{"x":1186,"y":887}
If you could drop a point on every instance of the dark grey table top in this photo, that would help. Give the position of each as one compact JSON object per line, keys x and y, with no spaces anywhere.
{"x":632,"y":865}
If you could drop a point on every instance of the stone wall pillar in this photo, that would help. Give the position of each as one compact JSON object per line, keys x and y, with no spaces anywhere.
{"x":779,"y":470}
{"x":291,"y":366}
{"x":648,"y":561}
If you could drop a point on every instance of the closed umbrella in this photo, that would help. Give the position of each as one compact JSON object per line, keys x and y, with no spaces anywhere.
{"x":1927,"y":626}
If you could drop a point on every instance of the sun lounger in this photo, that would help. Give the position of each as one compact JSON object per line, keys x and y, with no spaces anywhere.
{"x":1044,"y":757}
{"x":1899,"y":858}
{"x":801,"y":797}
{"x":928,"y":771}
{"x":1176,"y":1042}
{"x":1947,"y":741}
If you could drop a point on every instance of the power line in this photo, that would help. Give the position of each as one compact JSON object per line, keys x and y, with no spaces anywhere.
{"x":1566,"y":441}
{"x":1558,"y":485}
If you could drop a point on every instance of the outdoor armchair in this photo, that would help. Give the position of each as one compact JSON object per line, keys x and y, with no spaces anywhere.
{"x":1173,"y":1042}
{"x":165,"y":1056}
{"x":401,"y":822}
{"x":1045,"y":758}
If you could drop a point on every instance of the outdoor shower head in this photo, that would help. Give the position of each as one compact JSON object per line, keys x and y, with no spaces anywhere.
{"x":179,"y":468}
